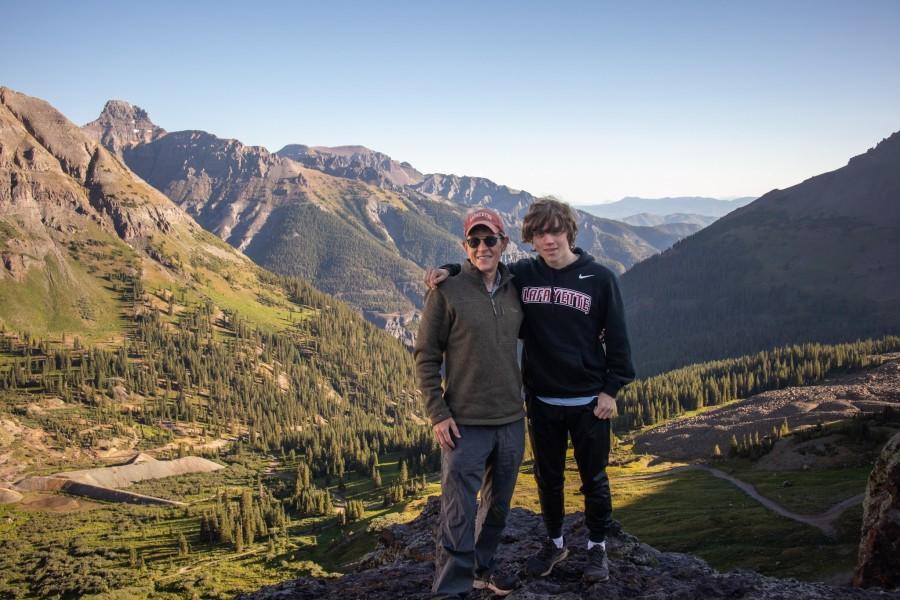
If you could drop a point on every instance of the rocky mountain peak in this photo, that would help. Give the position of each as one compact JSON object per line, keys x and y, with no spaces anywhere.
{"x":59,"y":177}
{"x":122,"y":125}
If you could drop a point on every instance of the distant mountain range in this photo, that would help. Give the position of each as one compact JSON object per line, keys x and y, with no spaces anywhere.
{"x":651,"y":220}
{"x":692,"y":205}
{"x":355,"y":222}
{"x":819,"y":261}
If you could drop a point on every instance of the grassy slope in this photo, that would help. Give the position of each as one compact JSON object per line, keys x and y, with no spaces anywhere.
{"x":809,"y":492}
{"x":70,"y":296}
{"x":696,"y":513}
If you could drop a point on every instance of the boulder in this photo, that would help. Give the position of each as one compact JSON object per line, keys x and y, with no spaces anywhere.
{"x":879,"y":545}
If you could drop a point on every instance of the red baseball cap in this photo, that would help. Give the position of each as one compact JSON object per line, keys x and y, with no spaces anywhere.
{"x":488,"y":217}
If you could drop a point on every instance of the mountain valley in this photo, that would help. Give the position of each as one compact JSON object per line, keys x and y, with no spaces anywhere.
{"x":358,"y":224}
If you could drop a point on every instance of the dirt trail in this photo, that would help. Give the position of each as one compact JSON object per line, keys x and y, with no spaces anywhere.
{"x":824,"y":522}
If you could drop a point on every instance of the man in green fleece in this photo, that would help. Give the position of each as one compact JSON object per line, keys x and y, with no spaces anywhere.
{"x":470,"y":326}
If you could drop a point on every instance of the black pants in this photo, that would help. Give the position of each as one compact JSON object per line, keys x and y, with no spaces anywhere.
{"x":550,"y":427}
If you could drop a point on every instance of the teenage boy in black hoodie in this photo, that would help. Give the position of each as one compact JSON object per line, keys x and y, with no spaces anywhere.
{"x":576,"y":358}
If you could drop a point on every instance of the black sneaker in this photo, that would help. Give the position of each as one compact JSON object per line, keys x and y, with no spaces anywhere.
{"x":597,"y":569}
{"x":498,"y":582}
{"x":543,"y":562}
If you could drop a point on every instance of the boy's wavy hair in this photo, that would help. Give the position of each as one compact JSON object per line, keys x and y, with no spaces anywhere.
{"x":547,"y":214}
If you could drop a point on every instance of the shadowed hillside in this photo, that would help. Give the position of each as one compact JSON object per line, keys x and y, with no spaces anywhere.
{"x":814,"y":262}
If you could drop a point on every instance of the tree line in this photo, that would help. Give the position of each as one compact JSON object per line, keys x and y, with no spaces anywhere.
{"x":666,"y":396}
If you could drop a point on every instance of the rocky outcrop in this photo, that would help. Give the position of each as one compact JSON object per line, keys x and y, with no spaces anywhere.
{"x":122,"y":125}
{"x":40,"y":142}
{"x":230,"y":188}
{"x":401,"y":567}
{"x":354,"y":162}
{"x":879,"y":546}
{"x":476,"y":191}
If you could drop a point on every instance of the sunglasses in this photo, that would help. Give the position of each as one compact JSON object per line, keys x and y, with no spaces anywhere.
{"x":489,"y":240}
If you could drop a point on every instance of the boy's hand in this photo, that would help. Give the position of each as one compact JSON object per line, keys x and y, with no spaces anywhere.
{"x":606,"y":406}
{"x":434,"y":277}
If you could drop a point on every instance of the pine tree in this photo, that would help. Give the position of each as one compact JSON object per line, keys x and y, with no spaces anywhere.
{"x":785,"y":428}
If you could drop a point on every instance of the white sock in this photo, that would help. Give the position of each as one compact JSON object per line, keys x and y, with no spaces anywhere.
{"x":592,"y":544}
{"x":558,"y":541}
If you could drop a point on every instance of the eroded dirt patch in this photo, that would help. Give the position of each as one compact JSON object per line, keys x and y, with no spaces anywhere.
{"x":39,"y":502}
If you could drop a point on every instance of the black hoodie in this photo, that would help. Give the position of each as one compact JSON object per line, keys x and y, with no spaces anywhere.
{"x":576,"y":343}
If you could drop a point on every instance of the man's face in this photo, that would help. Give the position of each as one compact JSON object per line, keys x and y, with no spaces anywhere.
{"x":484,"y":258}
{"x":551,"y":245}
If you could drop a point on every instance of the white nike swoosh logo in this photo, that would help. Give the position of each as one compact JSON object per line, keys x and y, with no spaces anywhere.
{"x":584,"y":276}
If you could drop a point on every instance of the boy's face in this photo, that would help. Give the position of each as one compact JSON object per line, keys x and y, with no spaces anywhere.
{"x":552,"y":246}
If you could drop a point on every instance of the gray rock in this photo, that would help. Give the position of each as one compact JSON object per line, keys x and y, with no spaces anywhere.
{"x":402,"y":567}
{"x":879,"y":545}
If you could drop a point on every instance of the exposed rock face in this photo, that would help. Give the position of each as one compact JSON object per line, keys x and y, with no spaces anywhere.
{"x":231,"y":189}
{"x":65,"y":200}
{"x":477,"y":191}
{"x":295,"y":220}
{"x":290,"y":218}
{"x":354,"y":162}
{"x":122,"y":125}
{"x":879,"y":546}
{"x":56,"y":179}
{"x":402,"y":568}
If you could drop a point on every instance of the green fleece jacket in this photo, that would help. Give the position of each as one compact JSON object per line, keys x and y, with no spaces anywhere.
{"x":474,"y":336}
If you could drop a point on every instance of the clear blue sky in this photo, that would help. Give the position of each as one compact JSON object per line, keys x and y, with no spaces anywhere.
{"x":589,"y":101}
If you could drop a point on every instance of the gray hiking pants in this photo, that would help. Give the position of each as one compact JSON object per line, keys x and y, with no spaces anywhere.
{"x":485,"y":458}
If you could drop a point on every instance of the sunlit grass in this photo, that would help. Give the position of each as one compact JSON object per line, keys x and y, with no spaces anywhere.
{"x":808,"y":492}
{"x":696,"y":513}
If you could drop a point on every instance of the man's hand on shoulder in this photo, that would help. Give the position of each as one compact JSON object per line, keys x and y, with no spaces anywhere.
{"x":434,"y":277}
{"x":444,"y":432}
{"x":606,"y":406}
